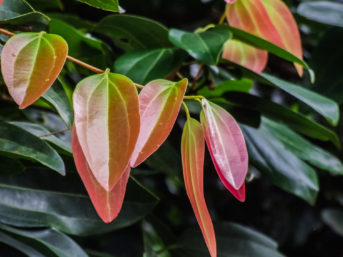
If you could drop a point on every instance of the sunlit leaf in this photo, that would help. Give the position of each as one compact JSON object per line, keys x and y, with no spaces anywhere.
{"x":108,"y":5}
{"x":159,"y":105}
{"x":193,"y":151}
{"x":226,"y":144}
{"x":107,"y":123}
{"x":30,"y":63}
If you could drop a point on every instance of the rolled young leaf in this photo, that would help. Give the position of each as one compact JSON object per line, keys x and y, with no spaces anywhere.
{"x":193,"y":151}
{"x":107,"y":124}
{"x":159,"y":105}
{"x":107,"y":203}
{"x":30,"y":63}
{"x":226,"y":144}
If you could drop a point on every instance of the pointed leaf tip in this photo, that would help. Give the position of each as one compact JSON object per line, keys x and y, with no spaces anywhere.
{"x":193,"y":150}
{"x":107,"y":122}
{"x":226,"y":144}
{"x":30,"y":63}
{"x":159,"y":105}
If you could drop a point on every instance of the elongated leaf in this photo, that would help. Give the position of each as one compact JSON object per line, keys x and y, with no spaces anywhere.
{"x":56,"y":242}
{"x":226,"y":144}
{"x":159,"y":105}
{"x":334,"y":219}
{"x":193,"y":151}
{"x":107,"y":123}
{"x":20,"y":143}
{"x":30,"y":63}
{"x":144,"y":66}
{"x":108,"y":5}
{"x":205,"y":46}
{"x":107,"y":203}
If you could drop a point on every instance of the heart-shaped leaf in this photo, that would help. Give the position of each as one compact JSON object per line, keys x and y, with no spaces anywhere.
{"x":226,"y":144}
{"x":193,"y":151}
{"x":30,"y":63}
{"x":159,"y":105}
{"x":107,"y":123}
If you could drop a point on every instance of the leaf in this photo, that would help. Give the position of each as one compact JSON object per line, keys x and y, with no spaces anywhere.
{"x":30,"y":63}
{"x":33,"y":199}
{"x":56,"y":242}
{"x":146,"y":65}
{"x":43,"y":5}
{"x":205,"y":46}
{"x":16,"y":142}
{"x":193,"y":151}
{"x":334,"y":219}
{"x":285,"y":170}
{"x":159,"y":105}
{"x":107,"y":122}
{"x":130,"y":32}
{"x":58,"y":98}
{"x":19,"y":12}
{"x":226,"y":145}
{"x":107,"y":5}
{"x":314,"y":11}
{"x":153,"y":244}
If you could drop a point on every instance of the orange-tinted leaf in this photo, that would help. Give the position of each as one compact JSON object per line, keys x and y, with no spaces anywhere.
{"x":226,"y":144}
{"x":245,"y":55}
{"x":107,"y":203}
{"x":193,"y":150}
{"x":107,"y":123}
{"x":159,"y":105}
{"x":30,"y":63}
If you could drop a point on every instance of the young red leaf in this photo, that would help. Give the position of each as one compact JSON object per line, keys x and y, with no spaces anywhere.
{"x":159,"y":105}
{"x":193,"y":150}
{"x":107,"y":203}
{"x":107,"y":123}
{"x":30,"y":63}
{"x":226,"y":144}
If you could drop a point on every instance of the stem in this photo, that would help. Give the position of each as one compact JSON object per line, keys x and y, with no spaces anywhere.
{"x":55,"y":132}
{"x":186,"y":110}
{"x":86,"y":65}
{"x":222,"y":18}
{"x":6,"y":32}
{"x":193,"y":97}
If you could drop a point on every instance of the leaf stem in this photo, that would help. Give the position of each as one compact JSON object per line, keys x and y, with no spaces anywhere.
{"x":186,"y":110}
{"x":55,"y":132}
{"x":85,"y":65}
{"x":222,"y":18}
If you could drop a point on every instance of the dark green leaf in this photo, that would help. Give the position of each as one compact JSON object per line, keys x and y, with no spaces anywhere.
{"x":107,"y":5}
{"x":334,"y":219}
{"x":43,"y":4}
{"x":144,"y":66}
{"x":17,"y":142}
{"x":10,"y":166}
{"x":134,"y":32}
{"x":204,"y":46}
{"x":152,"y":242}
{"x":323,"y":11}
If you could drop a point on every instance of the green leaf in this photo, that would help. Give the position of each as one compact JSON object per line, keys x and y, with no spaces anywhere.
{"x":19,"y":12}
{"x":334,"y":219}
{"x":17,"y":142}
{"x":233,"y":240}
{"x":51,"y":240}
{"x":204,"y":46}
{"x":279,"y":164}
{"x":107,"y":5}
{"x":153,"y":244}
{"x":132,"y":32}
{"x":33,"y":199}
{"x":304,"y":149}
{"x":58,"y":98}
{"x":10,"y":166}
{"x":147,"y":65}
{"x":43,"y":4}
{"x":326,"y":12}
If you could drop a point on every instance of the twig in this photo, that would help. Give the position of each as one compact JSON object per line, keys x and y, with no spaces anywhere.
{"x":55,"y":132}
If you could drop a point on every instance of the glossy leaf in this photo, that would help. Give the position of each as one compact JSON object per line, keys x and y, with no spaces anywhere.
{"x":108,"y":5}
{"x":107,"y":123}
{"x":193,"y":151}
{"x":159,"y":105}
{"x":226,"y":144}
{"x":30,"y":63}
{"x":204,"y":46}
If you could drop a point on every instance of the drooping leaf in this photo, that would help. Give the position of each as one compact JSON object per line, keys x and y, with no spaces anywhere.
{"x":193,"y":151}
{"x":204,"y":46}
{"x":17,"y":142}
{"x":30,"y":63}
{"x":159,"y":105}
{"x":226,"y":144}
{"x":107,"y":122}
{"x":107,"y":5}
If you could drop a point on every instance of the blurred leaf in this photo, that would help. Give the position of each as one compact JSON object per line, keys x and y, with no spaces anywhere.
{"x":153,"y":244}
{"x":334,"y":219}
{"x":47,"y":200}
{"x":81,"y":24}
{"x":326,"y":12}
{"x":134,"y":32}
{"x":10,"y":166}
{"x":204,"y":46}
{"x":107,"y":5}
{"x":56,"y":242}
{"x":43,"y":4}
{"x":279,"y":164}
{"x":17,"y":142}
{"x":145,"y":66}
